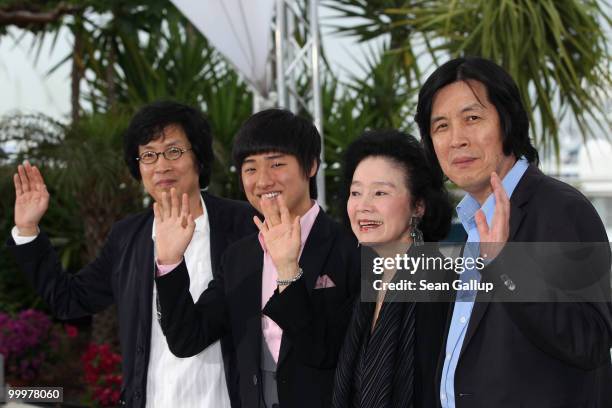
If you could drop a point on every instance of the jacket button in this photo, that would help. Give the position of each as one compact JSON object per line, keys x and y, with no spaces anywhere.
{"x":254,"y":379}
{"x":140,"y":349}
{"x":508,"y":282}
{"x":137,"y":394}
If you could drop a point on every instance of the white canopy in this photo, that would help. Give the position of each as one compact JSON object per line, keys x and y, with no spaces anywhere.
{"x":239,"y":29}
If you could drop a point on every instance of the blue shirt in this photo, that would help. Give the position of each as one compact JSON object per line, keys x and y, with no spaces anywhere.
{"x":464,"y":303}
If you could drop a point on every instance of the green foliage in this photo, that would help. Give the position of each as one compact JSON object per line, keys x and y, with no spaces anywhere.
{"x":88,"y":182}
{"x":555,"y":50}
{"x":377,"y":99}
{"x":370,"y":20}
{"x":127,"y":61}
{"x":29,"y":132}
{"x":228,"y":104}
{"x":174,"y":62}
{"x":15,"y":292}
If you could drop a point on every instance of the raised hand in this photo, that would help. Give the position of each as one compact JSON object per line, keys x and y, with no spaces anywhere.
{"x":281,"y":236}
{"x":174,"y":226}
{"x":31,"y":199}
{"x":493,"y":239}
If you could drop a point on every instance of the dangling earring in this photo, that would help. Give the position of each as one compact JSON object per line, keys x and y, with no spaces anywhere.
{"x":415,"y":233}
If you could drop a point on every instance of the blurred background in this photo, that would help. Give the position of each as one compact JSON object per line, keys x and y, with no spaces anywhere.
{"x":73,"y":72}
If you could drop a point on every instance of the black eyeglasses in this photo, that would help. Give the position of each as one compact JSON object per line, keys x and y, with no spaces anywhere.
{"x":171,"y":153}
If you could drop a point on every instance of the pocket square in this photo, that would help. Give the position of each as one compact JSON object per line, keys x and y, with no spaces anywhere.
{"x":323,"y":282}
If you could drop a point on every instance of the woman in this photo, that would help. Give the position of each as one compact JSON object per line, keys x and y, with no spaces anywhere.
{"x":391,"y":349}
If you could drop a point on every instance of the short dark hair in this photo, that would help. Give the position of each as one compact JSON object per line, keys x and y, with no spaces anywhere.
{"x":501,"y":91}
{"x":279,"y":130}
{"x":151,"y":120}
{"x":423,"y":183}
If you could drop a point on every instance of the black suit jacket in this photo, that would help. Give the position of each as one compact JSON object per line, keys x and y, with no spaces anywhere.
{"x":123,"y":274}
{"x":314,"y":321}
{"x":538,"y":354}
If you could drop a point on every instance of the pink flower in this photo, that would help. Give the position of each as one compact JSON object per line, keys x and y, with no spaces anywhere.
{"x":103,"y":373}
{"x":71,"y":331}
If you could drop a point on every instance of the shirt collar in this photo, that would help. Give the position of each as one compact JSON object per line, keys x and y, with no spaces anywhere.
{"x":306,"y":223}
{"x":467,"y":207}
{"x":201,"y":222}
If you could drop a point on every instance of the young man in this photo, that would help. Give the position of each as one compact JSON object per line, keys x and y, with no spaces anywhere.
{"x":475,"y":129}
{"x":286,"y":293}
{"x":169,"y":147}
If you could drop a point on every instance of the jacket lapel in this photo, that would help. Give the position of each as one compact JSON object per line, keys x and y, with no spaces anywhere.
{"x":519,"y":198}
{"x":144,"y":250}
{"x":218,"y":234}
{"x":251,"y":299}
{"x":313,"y":258}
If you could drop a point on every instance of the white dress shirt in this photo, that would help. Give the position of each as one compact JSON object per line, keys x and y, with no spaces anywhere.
{"x":197,"y":381}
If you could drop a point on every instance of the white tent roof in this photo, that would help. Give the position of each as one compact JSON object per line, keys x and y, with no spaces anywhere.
{"x":239,"y":29}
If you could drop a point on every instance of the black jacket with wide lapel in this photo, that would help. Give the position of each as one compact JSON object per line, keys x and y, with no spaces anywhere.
{"x":538,"y":354}
{"x":123,"y":274}
{"x":520,"y":197}
{"x":315,"y":253}
{"x":329,"y":249}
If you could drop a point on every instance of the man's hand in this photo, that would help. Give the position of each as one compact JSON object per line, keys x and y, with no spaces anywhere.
{"x":492,"y":240}
{"x":281,"y":236}
{"x":31,"y":199}
{"x":174,"y":226}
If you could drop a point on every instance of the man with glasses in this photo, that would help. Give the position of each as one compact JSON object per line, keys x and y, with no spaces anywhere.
{"x":168,"y":146}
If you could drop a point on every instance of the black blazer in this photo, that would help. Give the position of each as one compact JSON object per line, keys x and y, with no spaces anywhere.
{"x":313,"y":320}
{"x":123,"y":274}
{"x":538,"y":354}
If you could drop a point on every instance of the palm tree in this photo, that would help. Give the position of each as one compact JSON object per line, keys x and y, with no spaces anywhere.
{"x":89,"y":183}
{"x":126,"y":60}
{"x":556,"y":51}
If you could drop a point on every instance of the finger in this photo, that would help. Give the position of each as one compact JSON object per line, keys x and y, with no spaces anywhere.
{"x":184,"y":221}
{"x":501,"y":213}
{"x":190,"y":222}
{"x":17,"y":182}
{"x":285,"y":218}
{"x":269,"y":212}
{"x":503,"y":195}
{"x":264,"y":203}
{"x":185,"y":210}
{"x":157,"y":213}
{"x":260,"y":225}
{"x":25,"y":184}
{"x":165,"y":203}
{"x":157,"y":210}
{"x":273,"y":216}
{"x":174,"y":209}
{"x":34,"y":184}
{"x":297,"y":227}
{"x":482,"y":226}
{"x":40,"y":181}
{"x":29,"y":170}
